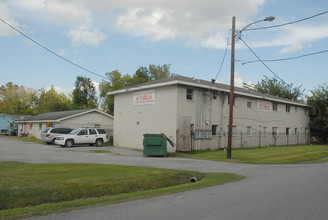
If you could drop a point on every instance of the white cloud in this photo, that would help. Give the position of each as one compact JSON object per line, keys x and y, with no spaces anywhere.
{"x":59,"y":90}
{"x":238,"y":80}
{"x":68,"y":13}
{"x":5,"y":13}
{"x":91,"y":38}
{"x":61,"y":52}
{"x":96,"y":84}
{"x":293,"y":37}
{"x":28,"y":5}
{"x":292,"y":48}
{"x":201,"y":23}
{"x":196,"y":22}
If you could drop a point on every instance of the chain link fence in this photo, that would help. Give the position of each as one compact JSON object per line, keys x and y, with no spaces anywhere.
{"x":244,"y":140}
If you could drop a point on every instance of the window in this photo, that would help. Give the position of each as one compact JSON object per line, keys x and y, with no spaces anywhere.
{"x":264,"y":131}
{"x":249,"y":104}
{"x":295,"y":131}
{"x":249,"y":130}
{"x":92,"y":131}
{"x":215,"y":95}
{"x":287,"y":108}
{"x":275,"y":107}
{"x":83,"y":132}
{"x":234,"y":99}
{"x":97,"y":125}
{"x":274,"y":131}
{"x":287,"y":131}
{"x":234,"y":130}
{"x":190,"y":93}
{"x":295,"y":108}
{"x":101,"y":131}
{"x":40,"y":126}
{"x":214,"y":129}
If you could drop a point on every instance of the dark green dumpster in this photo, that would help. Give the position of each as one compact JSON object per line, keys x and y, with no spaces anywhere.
{"x":154,"y":145}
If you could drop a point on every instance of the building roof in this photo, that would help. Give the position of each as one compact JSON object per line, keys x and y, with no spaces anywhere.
{"x":17,"y":117}
{"x":193,"y":82}
{"x":62,"y":115}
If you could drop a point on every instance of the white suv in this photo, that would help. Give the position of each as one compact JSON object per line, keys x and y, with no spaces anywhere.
{"x":89,"y":136}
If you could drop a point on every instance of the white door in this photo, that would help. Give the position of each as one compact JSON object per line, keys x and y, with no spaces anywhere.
{"x":82,"y":137}
{"x":92,"y":135}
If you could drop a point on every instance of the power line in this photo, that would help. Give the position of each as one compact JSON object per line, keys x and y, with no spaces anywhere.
{"x":225,"y":53}
{"x":52,"y":52}
{"x":283,"y":59}
{"x":288,"y":23}
{"x":263,"y":62}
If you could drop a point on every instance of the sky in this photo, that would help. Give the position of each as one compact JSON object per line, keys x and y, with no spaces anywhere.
{"x":190,"y":35}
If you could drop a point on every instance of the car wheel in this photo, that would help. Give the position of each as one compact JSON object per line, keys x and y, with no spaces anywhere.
{"x":53,"y":141}
{"x":99,"y":142}
{"x":69,"y":143}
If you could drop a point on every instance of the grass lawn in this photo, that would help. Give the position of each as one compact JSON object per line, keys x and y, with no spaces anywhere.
{"x":265,"y":155}
{"x":40,"y":189}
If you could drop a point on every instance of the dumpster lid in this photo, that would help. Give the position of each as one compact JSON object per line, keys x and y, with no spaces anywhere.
{"x":164,"y":136}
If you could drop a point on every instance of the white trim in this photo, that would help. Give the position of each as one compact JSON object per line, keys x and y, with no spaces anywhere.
{"x":39,"y":121}
{"x":68,"y":117}
{"x":82,"y":113}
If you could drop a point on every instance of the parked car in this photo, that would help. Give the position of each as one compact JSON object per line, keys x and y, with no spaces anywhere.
{"x":49,"y":135}
{"x":89,"y":136}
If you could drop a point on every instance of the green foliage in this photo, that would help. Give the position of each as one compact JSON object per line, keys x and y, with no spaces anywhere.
{"x":84,"y":94}
{"x":51,"y":101}
{"x":119,"y":81}
{"x":17,"y":100}
{"x":207,"y":179}
{"x":24,"y":185}
{"x":318,"y":102}
{"x":276,"y":87}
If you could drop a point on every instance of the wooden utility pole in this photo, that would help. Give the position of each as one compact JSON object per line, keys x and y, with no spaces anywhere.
{"x":232,"y":82}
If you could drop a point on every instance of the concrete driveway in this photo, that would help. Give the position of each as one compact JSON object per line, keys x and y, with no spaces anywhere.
{"x":269,"y":192}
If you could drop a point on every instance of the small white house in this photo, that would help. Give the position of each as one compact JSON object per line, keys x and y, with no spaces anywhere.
{"x":68,"y":119}
{"x":194,"y":114}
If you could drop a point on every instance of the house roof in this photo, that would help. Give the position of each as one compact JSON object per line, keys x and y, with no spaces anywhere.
{"x":193,"y":82}
{"x":62,"y":115}
{"x":17,"y":117}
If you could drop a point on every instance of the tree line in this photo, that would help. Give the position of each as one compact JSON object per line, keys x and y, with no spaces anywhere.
{"x":19,"y":100}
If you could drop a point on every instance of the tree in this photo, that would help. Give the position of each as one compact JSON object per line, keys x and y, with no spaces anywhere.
{"x":159,"y":72}
{"x":318,"y":102}
{"x":51,"y":101}
{"x":277,"y":88}
{"x":16,"y":99}
{"x":84,"y":94}
{"x":115,"y":81}
{"x":141,"y":76}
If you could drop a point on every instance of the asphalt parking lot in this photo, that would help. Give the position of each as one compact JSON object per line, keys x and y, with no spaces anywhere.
{"x":269,"y":192}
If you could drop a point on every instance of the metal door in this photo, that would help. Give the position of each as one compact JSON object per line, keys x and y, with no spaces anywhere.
{"x":184,"y":134}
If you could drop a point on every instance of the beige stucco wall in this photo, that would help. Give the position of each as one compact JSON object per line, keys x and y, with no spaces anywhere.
{"x":132,"y":121}
{"x":242,"y":118}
